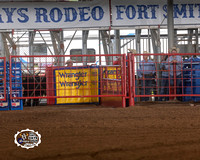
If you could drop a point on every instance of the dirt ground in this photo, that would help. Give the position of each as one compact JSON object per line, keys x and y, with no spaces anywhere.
{"x":144,"y":132}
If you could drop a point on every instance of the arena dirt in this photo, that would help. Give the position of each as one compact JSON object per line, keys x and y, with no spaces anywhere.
{"x":144,"y":132}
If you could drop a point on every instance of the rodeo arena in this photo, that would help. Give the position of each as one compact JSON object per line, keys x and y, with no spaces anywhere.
{"x":99,"y":79}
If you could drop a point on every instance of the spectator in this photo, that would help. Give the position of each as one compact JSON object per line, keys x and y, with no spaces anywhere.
{"x":164,"y":78}
{"x":175,"y":62}
{"x":132,"y":51}
{"x":69,"y":63}
{"x":146,"y":73}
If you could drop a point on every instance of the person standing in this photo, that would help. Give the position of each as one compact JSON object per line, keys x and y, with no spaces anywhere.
{"x":164,"y":78}
{"x":69,"y":63}
{"x":174,"y":65}
{"x":146,"y":73}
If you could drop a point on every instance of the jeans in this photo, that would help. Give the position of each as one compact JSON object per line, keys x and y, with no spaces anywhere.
{"x":178,"y":85}
{"x":164,"y":88}
{"x":146,"y":84}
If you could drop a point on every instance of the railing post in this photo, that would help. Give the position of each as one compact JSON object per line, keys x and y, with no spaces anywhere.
{"x":124,"y":81}
{"x":133,"y":70}
{"x":130,"y":79}
{"x":174,"y":70}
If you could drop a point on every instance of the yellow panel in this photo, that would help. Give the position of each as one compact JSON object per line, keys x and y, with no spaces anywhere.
{"x":77,"y":82}
{"x":111,"y":75}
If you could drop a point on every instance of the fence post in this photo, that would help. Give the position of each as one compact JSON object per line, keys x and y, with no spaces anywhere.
{"x":123,"y":81}
{"x":133,"y":70}
{"x":130,"y":79}
{"x":174,"y":70}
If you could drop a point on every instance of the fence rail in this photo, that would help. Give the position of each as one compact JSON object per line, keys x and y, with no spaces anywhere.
{"x":175,"y":77}
{"x":68,"y":79}
{"x":93,"y":77}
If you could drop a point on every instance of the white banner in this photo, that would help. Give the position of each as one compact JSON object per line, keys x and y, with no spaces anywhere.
{"x":46,"y":15}
{"x":153,"y":12}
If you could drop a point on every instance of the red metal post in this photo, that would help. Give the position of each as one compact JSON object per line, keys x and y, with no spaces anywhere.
{"x":174,"y":73}
{"x":123,"y":62}
{"x":130,"y":79}
{"x":117,"y":77}
{"x":134,"y":87}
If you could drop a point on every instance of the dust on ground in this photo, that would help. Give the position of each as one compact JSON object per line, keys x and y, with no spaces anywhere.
{"x":143,"y":132}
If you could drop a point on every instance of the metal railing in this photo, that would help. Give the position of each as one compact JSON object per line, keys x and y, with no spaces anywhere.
{"x":174,"y":78}
{"x":66,"y":80}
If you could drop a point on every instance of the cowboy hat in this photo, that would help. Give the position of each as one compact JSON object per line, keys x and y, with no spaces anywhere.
{"x":174,"y":48}
{"x":146,"y":52}
{"x":69,"y":61}
{"x":132,"y":50}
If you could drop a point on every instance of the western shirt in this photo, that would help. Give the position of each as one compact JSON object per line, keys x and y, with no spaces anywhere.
{"x":146,"y":68}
